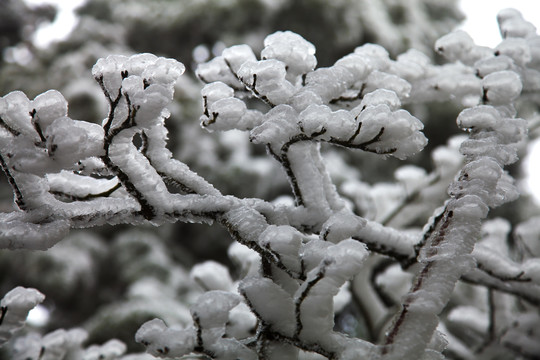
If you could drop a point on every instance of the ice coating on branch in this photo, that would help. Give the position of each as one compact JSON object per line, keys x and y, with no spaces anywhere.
{"x":380,"y":80}
{"x":211,"y":312}
{"x":493,"y":64}
{"x":70,"y":140}
{"x":23,"y":234}
{"x":236,"y":55}
{"x":479,"y":117}
{"x":512,"y":24}
{"x":357,"y":65}
{"x":218,"y":70}
{"x":458,"y":45}
{"x":328,"y":83}
{"x":411,"y":65}
{"x":14,"y":308}
{"x":394,"y":132}
{"x":49,"y":106}
{"x":336,"y":124}
{"x":246,"y":259}
{"x":290,"y":48}
{"x":58,"y":344}
{"x":241,"y":323}
{"x":380,"y":97}
{"x":516,"y":49}
{"x":162,"y":341}
{"x":342,"y":225}
{"x":278,"y":127}
{"x":502,"y":87}
{"x":377,"y":56}
{"x":314,"y":298}
{"x":285,"y":241}
{"x":224,"y":112}
{"x":267,"y":79}
{"x":211,"y":275}
{"x":15,"y":111}
{"x":111,"y":350}
{"x":270,"y":302}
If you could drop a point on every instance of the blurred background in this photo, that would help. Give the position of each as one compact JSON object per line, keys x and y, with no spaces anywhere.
{"x":112,"y":279}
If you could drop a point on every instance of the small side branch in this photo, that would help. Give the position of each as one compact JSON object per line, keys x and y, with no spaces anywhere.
{"x":19,"y":200}
{"x":303,"y":296}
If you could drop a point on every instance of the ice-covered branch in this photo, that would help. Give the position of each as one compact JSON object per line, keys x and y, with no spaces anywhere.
{"x":14,"y":309}
{"x":302,"y":262}
{"x":481,"y":185}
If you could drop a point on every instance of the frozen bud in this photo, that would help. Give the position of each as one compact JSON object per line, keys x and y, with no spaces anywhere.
{"x":302,"y":99}
{"x":313,"y":119}
{"x":397,"y":133}
{"x":109,"y":73}
{"x":162,"y":341}
{"x":379,"y":97}
{"x":267,"y":78}
{"x":468,"y":208}
{"x":211,"y":309}
{"x":132,"y":87}
{"x":14,"y":307}
{"x":512,"y":24}
{"x":485,"y":169}
{"x":502,"y":87}
{"x":459,"y":85}
{"x":136,"y":64}
{"x":216,"y":91}
{"x":163,"y":71}
{"x":228,"y":110}
{"x":280,"y":125}
{"x":340,"y":125}
{"x":285,"y":241}
{"x":516,"y":49}
{"x":479,"y":117}
{"x":356,"y":65}
{"x":375,"y":55}
{"x":69,"y":141}
{"x":49,"y":106}
{"x":411,"y":65}
{"x":493,"y":64}
{"x":488,"y":146}
{"x":345,"y":260}
{"x":235,"y":56}
{"x":293,"y":50}
{"x":217,"y":70}
{"x":341,"y":226}
{"x":329,"y":83}
{"x":16,"y":111}
{"x":455,"y":46}
{"x":381,"y":80}
{"x":211,"y":275}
